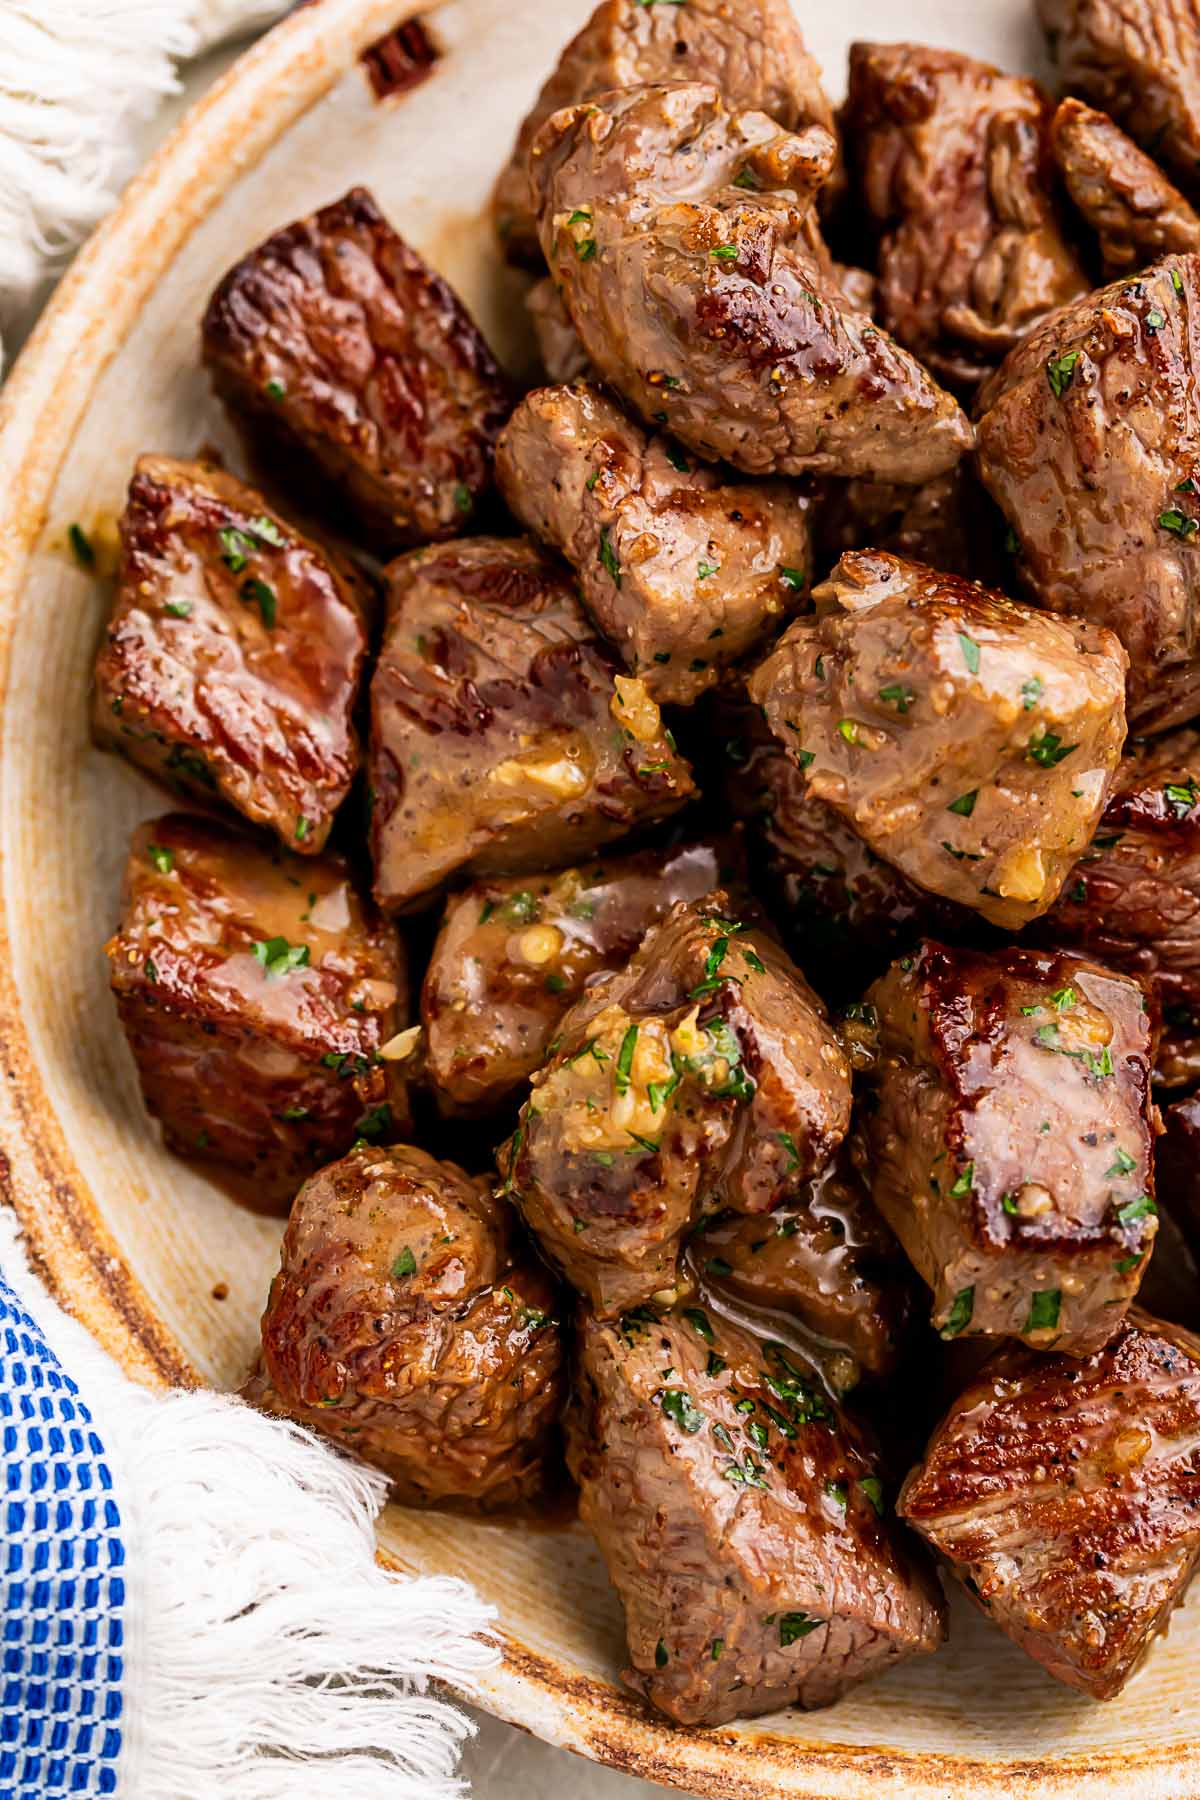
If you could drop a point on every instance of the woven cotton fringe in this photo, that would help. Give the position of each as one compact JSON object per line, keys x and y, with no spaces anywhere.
{"x":76,"y":77}
{"x":269,"y":1657}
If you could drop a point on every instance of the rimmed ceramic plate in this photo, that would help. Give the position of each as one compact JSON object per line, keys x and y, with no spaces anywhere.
{"x":140,"y":1247}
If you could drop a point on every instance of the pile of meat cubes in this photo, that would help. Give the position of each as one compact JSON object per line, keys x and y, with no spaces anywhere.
{"x":739,"y":799}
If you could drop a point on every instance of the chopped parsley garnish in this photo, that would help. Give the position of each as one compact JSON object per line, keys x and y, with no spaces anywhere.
{"x":266,"y":531}
{"x":660,"y":1649}
{"x":1180,"y":798}
{"x":625,"y":1060}
{"x":404,"y":1265}
{"x":1178,"y":522}
{"x":725,"y":252}
{"x":838,"y":1493}
{"x":965,"y":1183}
{"x":162,"y":858}
{"x":698,"y":1319}
{"x":1048,"y":750}
{"x":897,"y":695}
{"x":965,"y":804}
{"x":746,"y":178}
{"x":789,"y":1144}
{"x":302,"y":828}
{"x":462,"y":497}
{"x":716,"y":1365}
{"x":677,"y":459}
{"x":520,"y":908}
{"x":793,"y":578}
{"x":805,"y":758}
{"x":718,"y":1644}
{"x":260,"y":594}
{"x":1063,"y":999}
{"x":236,"y":547}
{"x":274,"y":389}
{"x":1121,"y":1164}
{"x":178,"y":609}
{"x":585,"y":249}
{"x":1123,"y":1264}
{"x":793,"y":1625}
{"x":374,"y":1123}
{"x":1141,"y":1208}
{"x":872,"y":1487}
{"x":1031,"y":692}
{"x":970,"y":652}
{"x":962,"y":855}
{"x":1060,"y":372}
{"x":608,"y":557}
{"x":960,"y":1312}
{"x":848,"y":729}
{"x":1044,"y":1308}
{"x":677,"y":1406}
{"x":1155,"y":320}
{"x":278,"y":957}
{"x":81,"y":547}
{"x":704,"y":569}
{"x":291,"y":1113}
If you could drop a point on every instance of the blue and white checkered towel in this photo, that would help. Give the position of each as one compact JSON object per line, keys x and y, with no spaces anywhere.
{"x":192,"y":1606}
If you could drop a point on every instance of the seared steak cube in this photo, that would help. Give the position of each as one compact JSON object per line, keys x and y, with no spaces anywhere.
{"x":345,"y":352}
{"x":743,"y":1518}
{"x":1132,"y":900}
{"x":702,"y":1075}
{"x":952,"y":162}
{"x":500,"y":741}
{"x":1009,"y":1145}
{"x":257,"y":993}
{"x":406,"y":1325}
{"x":562,"y":355}
{"x":843,"y":912}
{"x":683,"y":569}
{"x":1065,"y":1495}
{"x":825,"y":1257}
{"x":754,"y":54}
{"x":685,"y":241}
{"x":234,"y":653}
{"x":1140,"y":61}
{"x":515,"y":953}
{"x":968,"y":741}
{"x":1125,"y":197}
{"x":1090,"y":445}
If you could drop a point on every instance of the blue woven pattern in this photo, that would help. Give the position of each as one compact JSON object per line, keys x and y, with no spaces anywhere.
{"x":63,"y":1590}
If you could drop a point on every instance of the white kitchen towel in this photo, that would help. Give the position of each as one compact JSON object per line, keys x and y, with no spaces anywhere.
{"x":191,"y":1606}
{"x":76,"y":76}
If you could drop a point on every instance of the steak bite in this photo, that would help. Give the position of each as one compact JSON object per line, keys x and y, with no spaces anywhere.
{"x":703,"y":1075}
{"x":1125,"y":197}
{"x":743,"y":1521}
{"x":685,"y":241}
{"x":753,"y":54}
{"x":345,"y":353}
{"x":562,"y":355}
{"x":1065,"y":1495}
{"x":683,"y":569}
{"x":953,"y":169}
{"x":500,"y":739}
{"x":1132,"y":900}
{"x":406,"y":1325}
{"x":1009,"y":1143}
{"x":234,"y":652}
{"x":1140,"y":61}
{"x":946,"y":522}
{"x":515,"y":953}
{"x":259,"y":995}
{"x":842,"y":911}
{"x":967,"y":740}
{"x":1089,"y":441}
{"x":826,"y":1258}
